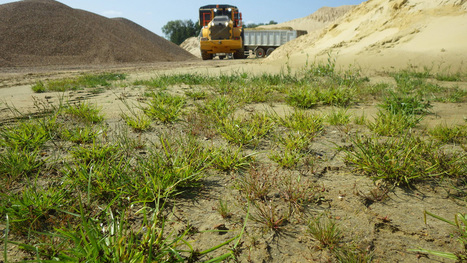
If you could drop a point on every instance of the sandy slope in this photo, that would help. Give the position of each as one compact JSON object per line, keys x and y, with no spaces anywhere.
{"x":381,"y":34}
{"x":46,"y":32}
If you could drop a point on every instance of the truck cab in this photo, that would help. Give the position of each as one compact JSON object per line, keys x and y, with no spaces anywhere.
{"x":222,"y":33}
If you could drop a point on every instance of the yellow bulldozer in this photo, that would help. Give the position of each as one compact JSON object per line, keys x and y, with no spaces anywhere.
{"x":222,"y":33}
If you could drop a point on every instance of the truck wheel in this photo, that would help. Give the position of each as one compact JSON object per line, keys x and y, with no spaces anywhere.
{"x":205,"y":55}
{"x":239,"y":54}
{"x":269,"y":51}
{"x":259,"y":52}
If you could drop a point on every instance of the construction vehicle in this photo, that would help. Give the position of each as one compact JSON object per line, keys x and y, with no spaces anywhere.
{"x":222,"y":33}
{"x":262,"y":42}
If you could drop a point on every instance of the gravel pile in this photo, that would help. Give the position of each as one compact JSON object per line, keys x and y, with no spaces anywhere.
{"x":46,"y":32}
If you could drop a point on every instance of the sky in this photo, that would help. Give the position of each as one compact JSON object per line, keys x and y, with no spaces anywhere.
{"x":154,"y":14}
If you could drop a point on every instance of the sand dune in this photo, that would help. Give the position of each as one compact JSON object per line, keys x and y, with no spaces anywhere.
{"x":46,"y":32}
{"x":381,"y":34}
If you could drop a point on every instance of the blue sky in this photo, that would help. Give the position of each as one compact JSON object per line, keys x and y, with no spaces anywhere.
{"x":154,"y":14}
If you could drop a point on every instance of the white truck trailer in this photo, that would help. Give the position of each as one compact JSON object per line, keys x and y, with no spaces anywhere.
{"x":263,"y":42}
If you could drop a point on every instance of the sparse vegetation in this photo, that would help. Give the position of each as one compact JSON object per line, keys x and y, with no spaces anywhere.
{"x":78,"y":183}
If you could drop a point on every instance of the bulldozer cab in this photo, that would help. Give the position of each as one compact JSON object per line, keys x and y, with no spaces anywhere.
{"x":208,"y":12}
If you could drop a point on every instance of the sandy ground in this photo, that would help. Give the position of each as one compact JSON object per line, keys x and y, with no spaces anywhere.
{"x":388,"y":229}
{"x":378,"y":37}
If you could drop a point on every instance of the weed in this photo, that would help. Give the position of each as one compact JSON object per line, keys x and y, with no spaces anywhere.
{"x":223,"y":209}
{"x":256,"y":183}
{"x":34,"y":208}
{"x":377,"y":194}
{"x":302,"y":121}
{"x":448,"y":76}
{"x":404,"y":104}
{"x":298,"y":191}
{"x":39,"y":87}
{"x":229,"y":159}
{"x":402,"y":160}
{"x":85,"y":81}
{"x":326,"y":231}
{"x":460,"y":223}
{"x":28,"y":135}
{"x":286,"y":158}
{"x":218,"y":108}
{"x":247,"y":130}
{"x":94,"y":153}
{"x":139,"y":122}
{"x":456,"y":134}
{"x":16,"y":162}
{"x":165,"y":107}
{"x":338,"y":117}
{"x":85,"y":112}
{"x":81,"y":135}
{"x":197,"y":95}
{"x":303,"y":97}
{"x":266,"y":213}
{"x":346,"y":254}
{"x":390,"y":124}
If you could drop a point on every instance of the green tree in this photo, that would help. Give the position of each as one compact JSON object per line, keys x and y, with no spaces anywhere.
{"x":179,"y":30}
{"x":253,"y":25}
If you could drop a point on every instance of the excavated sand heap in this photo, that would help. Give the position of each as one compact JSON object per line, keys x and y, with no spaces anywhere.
{"x":388,"y":34}
{"x":46,"y":32}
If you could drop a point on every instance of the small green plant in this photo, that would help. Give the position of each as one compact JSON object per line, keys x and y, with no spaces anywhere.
{"x":28,"y":135}
{"x":390,"y":124}
{"x":223,"y":209}
{"x":228,"y":159}
{"x":302,"y":121}
{"x":246,"y":130}
{"x":34,"y":209}
{"x":338,"y":117}
{"x":287,"y":158}
{"x":456,"y":134}
{"x":80,"y":134}
{"x":165,"y":107}
{"x":39,"y":87}
{"x":303,"y":97}
{"x":460,"y":223}
{"x":85,"y":112}
{"x":402,"y":160}
{"x":268,"y":214}
{"x":256,"y":183}
{"x":218,"y":108}
{"x":16,"y":162}
{"x":85,"y":81}
{"x":197,"y":95}
{"x":326,"y":231}
{"x":405,"y":104}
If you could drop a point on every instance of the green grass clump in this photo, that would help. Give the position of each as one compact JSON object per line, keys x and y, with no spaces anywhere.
{"x":165,"y":107}
{"x":446,"y":134}
{"x":84,"y":111}
{"x":302,"y":121}
{"x":245,"y":130}
{"x":326,"y":231}
{"x":402,"y":160}
{"x":34,"y":208}
{"x":85,"y":81}
{"x":393,"y":124}
{"x":338,"y":116}
{"x":405,"y":104}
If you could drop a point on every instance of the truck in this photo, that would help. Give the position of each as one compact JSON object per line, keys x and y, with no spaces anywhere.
{"x":221,"y":33}
{"x":263,"y":42}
